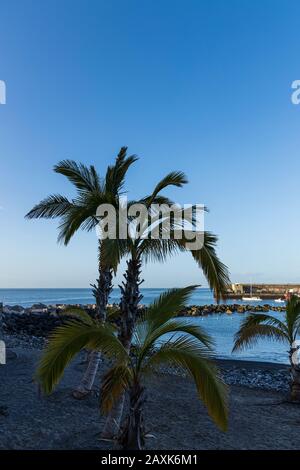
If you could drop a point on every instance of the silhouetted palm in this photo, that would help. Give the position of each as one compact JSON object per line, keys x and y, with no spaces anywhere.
{"x":80,"y":213}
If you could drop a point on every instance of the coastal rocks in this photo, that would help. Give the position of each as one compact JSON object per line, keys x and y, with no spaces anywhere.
{"x":265,"y":379}
{"x":29,"y":324}
{"x":203,"y":310}
{"x":40,"y":319}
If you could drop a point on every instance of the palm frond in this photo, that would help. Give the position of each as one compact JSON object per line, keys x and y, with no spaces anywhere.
{"x":168,"y":305}
{"x":257,"y":326}
{"x":113,"y":250}
{"x":187,"y":354}
{"x":174,"y":178}
{"x":158,"y":250}
{"x":84,"y":178}
{"x":115,"y":174}
{"x":66,"y":341}
{"x":148,"y":336}
{"x":82,"y":215}
{"x":51,"y":207}
{"x":214,"y":270}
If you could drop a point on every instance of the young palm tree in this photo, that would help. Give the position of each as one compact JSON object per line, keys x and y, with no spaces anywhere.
{"x":188,"y":347}
{"x":259,"y":325}
{"x":80,"y":213}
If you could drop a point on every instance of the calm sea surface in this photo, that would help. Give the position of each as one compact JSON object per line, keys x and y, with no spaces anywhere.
{"x":221,"y":327}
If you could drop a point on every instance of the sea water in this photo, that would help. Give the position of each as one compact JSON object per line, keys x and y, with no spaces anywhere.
{"x":221,"y":327}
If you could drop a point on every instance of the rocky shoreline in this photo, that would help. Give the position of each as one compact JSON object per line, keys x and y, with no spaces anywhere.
{"x":29,"y":330}
{"x":40,"y":320}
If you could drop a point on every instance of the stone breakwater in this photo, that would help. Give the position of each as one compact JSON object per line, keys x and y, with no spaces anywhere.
{"x":203,"y":310}
{"x":27,"y":322}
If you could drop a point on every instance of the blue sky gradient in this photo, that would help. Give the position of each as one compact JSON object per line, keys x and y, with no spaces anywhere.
{"x":198,"y":86}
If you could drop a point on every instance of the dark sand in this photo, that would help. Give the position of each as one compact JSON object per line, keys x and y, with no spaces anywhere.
{"x":258,"y":418}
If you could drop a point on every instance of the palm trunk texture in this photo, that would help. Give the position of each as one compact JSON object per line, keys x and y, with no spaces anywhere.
{"x":101,"y":292}
{"x":130,"y":299}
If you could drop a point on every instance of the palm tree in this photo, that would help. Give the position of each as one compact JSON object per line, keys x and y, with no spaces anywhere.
{"x":143,"y":250}
{"x":188,"y":347}
{"x":80,"y":213}
{"x":258,"y":325}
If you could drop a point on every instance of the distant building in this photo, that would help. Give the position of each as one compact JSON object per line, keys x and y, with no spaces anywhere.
{"x":267,"y":291}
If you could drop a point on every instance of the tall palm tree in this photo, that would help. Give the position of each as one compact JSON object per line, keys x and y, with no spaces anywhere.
{"x":188,"y":347}
{"x":259,"y":325}
{"x":80,"y":213}
{"x":141,"y":250}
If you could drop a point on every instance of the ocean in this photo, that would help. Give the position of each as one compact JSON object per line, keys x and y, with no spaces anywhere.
{"x":221,"y":327}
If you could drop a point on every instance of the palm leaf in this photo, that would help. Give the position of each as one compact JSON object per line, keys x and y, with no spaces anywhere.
{"x":115,"y":174}
{"x":84,"y":178}
{"x":257,"y":326}
{"x":167,"y":305}
{"x":153,"y":335}
{"x":51,"y":207}
{"x":66,"y":341}
{"x":174,"y":178}
{"x":214,"y":270}
{"x":187,"y":354}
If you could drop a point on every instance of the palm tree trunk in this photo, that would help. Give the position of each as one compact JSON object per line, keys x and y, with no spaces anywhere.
{"x":295,"y":375}
{"x":130,"y":299}
{"x":111,"y":426}
{"x":101,"y":292}
{"x":132,"y":437}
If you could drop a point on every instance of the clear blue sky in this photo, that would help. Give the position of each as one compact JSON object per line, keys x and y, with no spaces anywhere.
{"x":200,"y":86}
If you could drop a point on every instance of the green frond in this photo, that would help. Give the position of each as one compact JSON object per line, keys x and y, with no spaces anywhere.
{"x":112,"y":251}
{"x":155,"y":335}
{"x":51,"y":207}
{"x":66,"y":341}
{"x":115,"y":382}
{"x":214,"y":270}
{"x":168,"y":305}
{"x":115,"y":174}
{"x":82,"y":215}
{"x":190,"y":356}
{"x":174,"y":178}
{"x":72,"y":222}
{"x":147,"y":338}
{"x":84,"y":178}
{"x":257,"y":326}
{"x":159,"y":199}
{"x":158,"y":250}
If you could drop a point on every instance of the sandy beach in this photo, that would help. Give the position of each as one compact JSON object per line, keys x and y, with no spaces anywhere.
{"x":259,"y":419}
